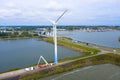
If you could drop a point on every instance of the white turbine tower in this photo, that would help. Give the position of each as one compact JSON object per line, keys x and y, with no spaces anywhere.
{"x":54,"y":23}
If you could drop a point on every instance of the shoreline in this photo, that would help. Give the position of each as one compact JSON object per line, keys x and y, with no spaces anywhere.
{"x":67,"y":42}
{"x":63,"y":68}
{"x":95,"y":46}
{"x":80,"y":43}
{"x":12,"y":69}
{"x":84,"y":43}
{"x":17,"y":38}
{"x":105,"y":48}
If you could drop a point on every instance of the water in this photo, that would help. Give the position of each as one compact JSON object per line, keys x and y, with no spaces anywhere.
{"x":97,"y":72}
{"x":25,"y":52}
{"x":108,"y":39}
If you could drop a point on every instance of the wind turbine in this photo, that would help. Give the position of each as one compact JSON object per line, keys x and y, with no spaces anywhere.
{"x":54,"y":23}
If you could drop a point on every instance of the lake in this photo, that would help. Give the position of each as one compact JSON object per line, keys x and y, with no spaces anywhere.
{"x":25,"y":52}
{"x":108,"y":39}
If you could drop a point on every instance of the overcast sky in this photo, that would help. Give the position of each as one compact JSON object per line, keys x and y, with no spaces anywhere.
{"x":80,"y":12}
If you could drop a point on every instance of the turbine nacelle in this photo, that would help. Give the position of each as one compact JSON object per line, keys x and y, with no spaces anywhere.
{"x":53,"y":22}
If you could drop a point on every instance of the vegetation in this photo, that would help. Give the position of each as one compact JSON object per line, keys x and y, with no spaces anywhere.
{"x":101,"y":59}
{"x":76,"y":57}
{"x":70,"y":27}
{"x":67,"y":42}
{"x":10,"y":35}
{"x":28,"y":31}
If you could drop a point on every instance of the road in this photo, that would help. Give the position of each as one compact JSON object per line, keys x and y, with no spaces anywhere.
{"x":17,"y":73}
{"x":11,"y":74}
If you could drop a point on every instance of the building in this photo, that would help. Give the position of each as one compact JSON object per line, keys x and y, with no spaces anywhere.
{"x":7,"y":30}
{"x":44,"y":32}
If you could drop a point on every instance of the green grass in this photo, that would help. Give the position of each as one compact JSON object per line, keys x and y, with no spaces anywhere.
{"x":75,"y":57}
{"x":67,"y":43}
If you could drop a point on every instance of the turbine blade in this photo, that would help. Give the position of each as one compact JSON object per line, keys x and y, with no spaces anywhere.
{"x":60,"y":16}
{"x":49,"y":20}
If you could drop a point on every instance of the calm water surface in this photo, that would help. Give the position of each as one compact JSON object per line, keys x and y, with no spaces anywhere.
{"x":25,"y":52}
{"x":108,"y":39}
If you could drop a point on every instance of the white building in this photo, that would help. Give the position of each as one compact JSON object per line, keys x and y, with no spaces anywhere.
{"x":43,"y":32}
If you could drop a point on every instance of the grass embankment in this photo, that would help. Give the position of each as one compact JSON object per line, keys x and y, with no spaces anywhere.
{"x":100,"y":59}
{"x":67,"y":42}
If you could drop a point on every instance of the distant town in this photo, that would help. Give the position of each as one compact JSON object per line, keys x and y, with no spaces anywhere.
{"x":46,"y":31}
